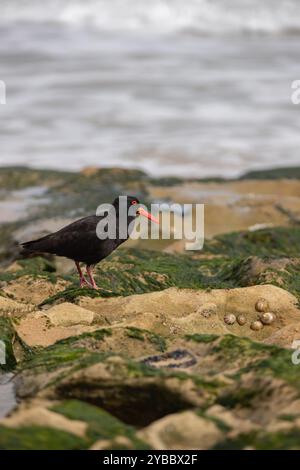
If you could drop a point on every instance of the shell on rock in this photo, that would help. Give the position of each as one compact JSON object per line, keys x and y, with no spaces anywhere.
{"x":262,"y":305}
{"x":256,"y":325}
{"x":241,"y":319}
{"x":267,"y":318}
{"x":229,"y":318}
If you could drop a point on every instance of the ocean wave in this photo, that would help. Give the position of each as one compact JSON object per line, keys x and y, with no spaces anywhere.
{"x":208,"y":17}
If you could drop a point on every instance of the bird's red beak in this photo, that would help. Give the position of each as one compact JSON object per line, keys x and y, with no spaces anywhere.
{"x":146,"y":214}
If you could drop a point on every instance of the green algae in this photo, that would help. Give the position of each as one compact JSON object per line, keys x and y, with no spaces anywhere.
{"x":39,"y":438}
{"x":66,"y":352}
{"x":16,"y":178}
{"x":134,"y":271}
{"x":259,"y":440}
{"x":288,"y":417}
{"x":68,"y":356}
{"x":234,"y":346}
{"x":132,"y":383}
{"x":101,"y":424}
{"x":273,"y":174}
{"x":289,"y":279}
{"x":239,"y":273}
{"x":251,"y":356}
{"x":202,"y":338}
{"x":217,"y":421}
{"x":131,"y":390}
{"x":73,"y":293}
{"x":278,"y":364}
{"x":146,"y":335}
{"x":37,"y":267}
{"x":244,"y":355}
{"x":277,"y":241}
{"x":241,"y":397}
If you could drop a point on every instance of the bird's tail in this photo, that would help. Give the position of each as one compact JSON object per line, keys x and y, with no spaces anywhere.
{"x":33,"y":247}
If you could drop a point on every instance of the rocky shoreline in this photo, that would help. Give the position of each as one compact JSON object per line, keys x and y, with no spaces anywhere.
{"x":168,"y":354}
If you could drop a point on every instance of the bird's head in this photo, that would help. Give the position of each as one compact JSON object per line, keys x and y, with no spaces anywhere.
{"x":133,"y":206}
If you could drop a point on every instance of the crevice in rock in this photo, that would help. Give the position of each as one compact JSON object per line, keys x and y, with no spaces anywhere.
{"x":134,"y":404}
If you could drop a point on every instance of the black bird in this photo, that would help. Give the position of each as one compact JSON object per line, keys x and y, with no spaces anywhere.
{"x":80,"y":241}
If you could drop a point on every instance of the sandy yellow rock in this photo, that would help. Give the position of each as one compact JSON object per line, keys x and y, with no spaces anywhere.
{"x":36,"y":330}
{"x":181,"y":431}
{"x":67,"y":314}
{"x":286,"y":337}
{"x":11,"y":308}
{"x":176,"y":311}
{"x":231,"y":419}
{"x":170,"y":313}
{"x":33,"y":290}
{"x":246,"y":204}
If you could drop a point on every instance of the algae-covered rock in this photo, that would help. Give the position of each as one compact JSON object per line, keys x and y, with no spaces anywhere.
{"x":101,"y":425}
{"x":273,"y":173}
{"x":236,"y":385}
{"x":280,"y":271}
{"x":39,"y":438}
{"x":119,"y":385}
{"x":277,"y":241}
{"x":261,"y":440}
{"x":150,"y":359}
{"x":173,"y":312}
{"x":71,"y":424}
{"x":39,"y":414}
{"x":169,"y":313}
{"x":226,"y":262}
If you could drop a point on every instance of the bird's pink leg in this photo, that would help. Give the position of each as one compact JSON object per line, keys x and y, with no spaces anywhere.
{"x":83,"y":281}
{"x":91,"y":277}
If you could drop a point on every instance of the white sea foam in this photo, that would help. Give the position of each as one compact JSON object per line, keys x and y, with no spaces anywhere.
{"x":165,"y":16}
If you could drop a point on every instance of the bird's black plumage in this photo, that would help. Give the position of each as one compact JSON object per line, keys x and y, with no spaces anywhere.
{"x":79,"y":241}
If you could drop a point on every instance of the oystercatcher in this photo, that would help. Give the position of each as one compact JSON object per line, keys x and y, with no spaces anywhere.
{"x":82,"y":242}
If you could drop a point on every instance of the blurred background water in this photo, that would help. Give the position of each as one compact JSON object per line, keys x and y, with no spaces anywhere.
{"x":182,"y":87}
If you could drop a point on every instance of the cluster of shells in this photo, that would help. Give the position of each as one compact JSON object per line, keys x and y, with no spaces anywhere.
{"x":265,"y":317}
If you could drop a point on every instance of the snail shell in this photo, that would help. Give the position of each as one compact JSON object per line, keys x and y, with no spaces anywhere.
{"x":241,"y":319}
{"x":229,"y":319}
{"x":256,"y":325}
{"x":262,"y":305}
{"x":267,"y":318}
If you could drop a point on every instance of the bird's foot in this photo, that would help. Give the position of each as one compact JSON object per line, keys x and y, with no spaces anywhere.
{"x":94,"y":286}
{"x":84,"y":283}
{"x":91,"y":277}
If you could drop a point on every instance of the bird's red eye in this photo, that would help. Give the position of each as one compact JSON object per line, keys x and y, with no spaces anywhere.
{"x":134,"y":202}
